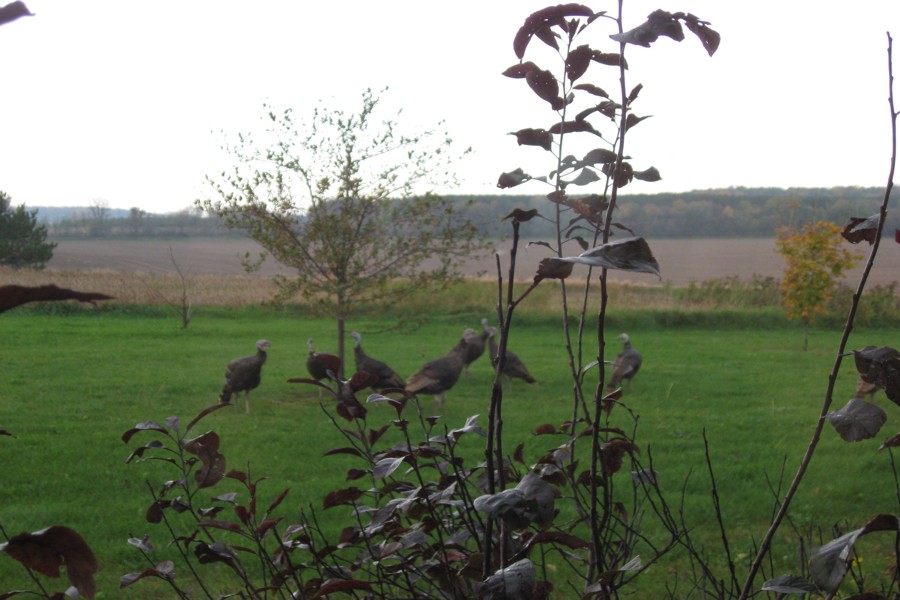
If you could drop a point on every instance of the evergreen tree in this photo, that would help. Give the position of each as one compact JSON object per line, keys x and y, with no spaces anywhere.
{"x":23,"y":241}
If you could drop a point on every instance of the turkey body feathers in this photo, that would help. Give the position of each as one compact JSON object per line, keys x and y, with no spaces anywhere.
{"x":514,"y":367}
{"x":244,"y":374}
{"x":627,"y":364}
{"x":387,"y":377}
{"x":437,"y":376}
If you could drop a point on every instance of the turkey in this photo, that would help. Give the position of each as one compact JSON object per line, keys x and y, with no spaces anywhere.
{"x":626,"y":365}
{"x":475,"y":347}
{"x":436,"y":377}
{"x":319,"y":363}
{"x":244,"y":374}
{"x":387,"y":377}
{"x":514,"y":367}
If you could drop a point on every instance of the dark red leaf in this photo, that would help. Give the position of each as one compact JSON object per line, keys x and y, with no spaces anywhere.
{"x":892,"y":442}
{"x":145,"y":426}
{"x":12,"y":296}
{"x":651,"y":174}
{"x":658,"y":23}
{"x":859,"y":230}
{"x":541,"y":20}
{"x":553,"y":268}
{"x":521,"y":216}
{"x":534,"y":137}
{"x":632,"y":119}
{"x":46,"y":550}
{"x":163,"y":570}
{"x":13,"y":11}
{"x":341,"y":585}
{"x":578,"y":61}
{"x":545,"y":429}
{"x":512,"y":179}
{"x":592,"y":89}
{"x":612,"y":59}
{"x":709,"y":38}
{"x":518,"y":454}
{"x":558,"y":537}
{"x":599,"y":156}
{"x":203,"y":413}
{"x":857,"y":420}
{"x":544,"y":84}
{"x":572,"y":126}
{"x":345,"y":450}
{"x":344,"y":496}
{"x":519,"y":70}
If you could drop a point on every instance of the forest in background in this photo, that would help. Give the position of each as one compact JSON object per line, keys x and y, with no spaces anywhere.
{"x":719,"y":213}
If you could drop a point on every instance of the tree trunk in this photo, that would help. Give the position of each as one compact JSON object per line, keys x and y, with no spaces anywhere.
{"x":805,"y":335}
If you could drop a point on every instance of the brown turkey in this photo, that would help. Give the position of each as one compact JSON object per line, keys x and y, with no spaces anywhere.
{"x":436,"y":377}
{"x":514,"y":367}
{"x":626,"y":365}
{"x":386,"y":376}
{"x":475,"y":347}
{"x":244,"y":375}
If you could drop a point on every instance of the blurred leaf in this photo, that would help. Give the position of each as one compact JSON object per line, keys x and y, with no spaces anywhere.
{"x":630,"y":254}
{"x":384,"y":467}
{"x":521,"y":216}
{"x":534,"y":137}
{"x":632,"y":96}
{"x":891,"y":442}
{"x":512,"y":179}
{"x":515,"y":582}
{"x":587,"y":176}
{"x":13,"y":11}
{"x":12,"y":296}
{"x":859,"y":230}
{"x":341,"y":585}
{"x":651,"y":174}
{"x":164,"y":570}
{"x":789,"y":584}
{"x":46,"y":550}
{"x":828,"y":565}
{"x":658,"y":23}
{"x":709,"y":38}
{"x":144,"y":426}
{"x":553,"y":268}
{"x":203,"y":413}
{"x":858,"y":420}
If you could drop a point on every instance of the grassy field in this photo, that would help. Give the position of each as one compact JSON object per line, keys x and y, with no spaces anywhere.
{"x":74,"y":380}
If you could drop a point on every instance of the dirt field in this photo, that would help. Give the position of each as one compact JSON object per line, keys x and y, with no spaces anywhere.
{"x":681,"y":261}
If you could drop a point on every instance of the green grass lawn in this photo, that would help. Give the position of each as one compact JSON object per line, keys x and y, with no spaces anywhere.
{"x":71,"y":384}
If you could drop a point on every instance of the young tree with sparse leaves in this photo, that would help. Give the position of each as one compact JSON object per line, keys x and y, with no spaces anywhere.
{"x":23,"y":241}
{"x":338,"y":200}
{"x":815,"y":262}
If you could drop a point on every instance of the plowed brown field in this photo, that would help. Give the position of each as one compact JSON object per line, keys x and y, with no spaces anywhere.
{"x":681,"y":261}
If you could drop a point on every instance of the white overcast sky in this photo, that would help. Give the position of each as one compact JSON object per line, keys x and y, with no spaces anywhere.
{"x":123,"y":101}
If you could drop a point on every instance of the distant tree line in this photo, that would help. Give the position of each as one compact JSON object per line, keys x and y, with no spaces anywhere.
{"x":731,"y":212}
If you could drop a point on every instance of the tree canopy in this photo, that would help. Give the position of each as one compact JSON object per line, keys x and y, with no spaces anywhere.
{"x":23,"y":241}
{"x":344,"y":201}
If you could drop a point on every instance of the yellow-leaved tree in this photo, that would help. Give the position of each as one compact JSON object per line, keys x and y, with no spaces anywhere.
{"x":815,"y":263}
